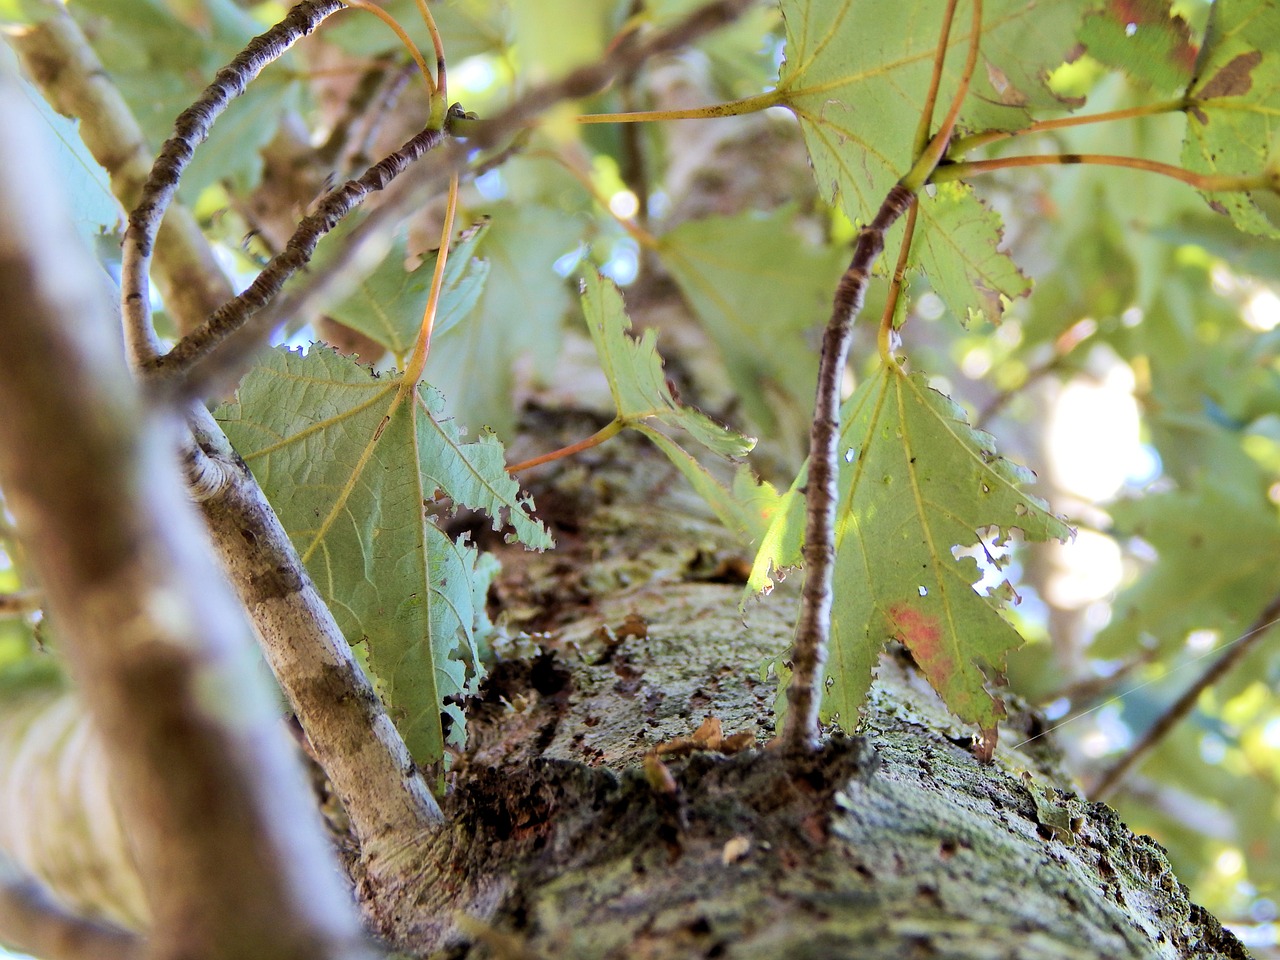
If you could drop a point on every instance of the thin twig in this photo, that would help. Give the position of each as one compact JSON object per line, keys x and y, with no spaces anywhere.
{"x":20,"y":603}
{"x":1114,"y":776}
{"x":1208,"y":182}
{"x":813,"y":629}
{"x":813,"y":626}
{"x":333,"y":207}
{"x":191,"y":129}
{"x":225,"y":364}
{"x":33,"y":922}
{"x":58,"y":57}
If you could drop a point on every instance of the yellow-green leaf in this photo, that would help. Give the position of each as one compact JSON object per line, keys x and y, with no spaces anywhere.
{"x":917,"y":483}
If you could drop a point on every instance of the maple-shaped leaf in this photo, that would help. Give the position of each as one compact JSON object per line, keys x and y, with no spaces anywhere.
{"x":959,"y":253}
{"x":1233,"y":102}
{"x":917,"y":483}
{"x":1145,"y":39}
{"x":387,"y":305}
{"x":356,"y":475}
{"x":856,"y":76}
{"x":642,"y":397}
{"x":634,"y":371}
{"x":761,"y":292}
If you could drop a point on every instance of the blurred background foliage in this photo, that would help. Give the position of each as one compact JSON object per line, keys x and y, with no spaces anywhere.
{"x":1141,"y":380}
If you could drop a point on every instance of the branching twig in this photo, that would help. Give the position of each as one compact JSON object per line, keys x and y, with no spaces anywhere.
{"x":224,"y":364}
{"x":191,"y":129}
{"x":227,"y":841}
{"x":335,"y":205}
{"x":33,"y":922}
{"x":1113,"y":777}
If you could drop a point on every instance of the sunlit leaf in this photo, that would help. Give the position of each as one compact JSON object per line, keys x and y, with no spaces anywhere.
{"x":1231,"y":126}
{"x":357,"y":480}
{"x":1145,"y":39}
{"x":917,"y":483}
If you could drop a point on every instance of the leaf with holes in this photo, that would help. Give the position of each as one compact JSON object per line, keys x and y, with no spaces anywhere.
{"x":917,"y":483}
{"x":359,"y":476}
{"x":1234,"y":99}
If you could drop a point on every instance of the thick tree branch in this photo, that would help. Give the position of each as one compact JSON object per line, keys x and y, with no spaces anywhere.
{"x":230,"y":852}
{"x":190,"y":130}
{"x":33,"y":922}
{"x":345,"y":722}
{"x":224,"y":365}
{"x":56,"y":55}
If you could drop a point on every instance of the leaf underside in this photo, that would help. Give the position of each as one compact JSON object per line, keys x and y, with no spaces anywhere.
{"x":358,"y":480}
{"x":858,"y":100}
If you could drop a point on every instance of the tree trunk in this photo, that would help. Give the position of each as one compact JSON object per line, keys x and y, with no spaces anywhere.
{"x":894,"y":843}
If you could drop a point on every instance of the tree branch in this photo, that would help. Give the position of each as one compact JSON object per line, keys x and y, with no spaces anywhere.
{"x":58,"y":58}
{"x":335,"y":205}
{"x":33,"y":922}
{"x":225,"y":364}
{"x":353,"y":738}
{"x":191,"y":128}
{"x":1113,"y":777}
{"x":229,"y":849}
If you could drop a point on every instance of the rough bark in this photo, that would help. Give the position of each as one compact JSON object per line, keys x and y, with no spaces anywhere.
{"x":894,"y":843}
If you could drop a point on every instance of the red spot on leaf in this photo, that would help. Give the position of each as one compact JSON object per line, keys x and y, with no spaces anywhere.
{"x":1233,"y":80}
{"x":922,"y":634}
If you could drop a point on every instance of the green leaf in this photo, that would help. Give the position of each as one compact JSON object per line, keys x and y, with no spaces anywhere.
{"x":634,"y":371}
{"x":959,"y":251}
{"x":859,"y":101}
{"x":1235,"y":97}
{"x":917,"y":483}
{"x":1145,"y":39}
{"x":747,"y":508}
{"x":763,"y":293}
{"x":1218,"y":549}
{"x":161,"y":64}
{"x":518,"y":315}
{"x":388,"y":304}
{"x":356,"y":477}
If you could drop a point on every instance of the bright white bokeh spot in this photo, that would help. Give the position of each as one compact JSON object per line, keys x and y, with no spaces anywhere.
{"x":568,"y":263}
{"x":1085,"y":570}
{"x":1262,"y":312}
{"x":1202,"y":641}
{"x":1094,"y":435}
{"x":624,"y":204}
{"x":474,"y":74}
{"x":1271,"y":733}
{"x":624,"y":262}
{"x":1130,"y":29}
{"x":976,"y":363}
{"x":1229,"y":862}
